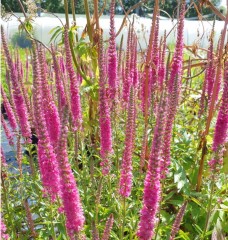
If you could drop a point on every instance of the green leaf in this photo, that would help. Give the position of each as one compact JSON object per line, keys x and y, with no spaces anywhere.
{"x":58,"y":31}
{"x":184,"y":235}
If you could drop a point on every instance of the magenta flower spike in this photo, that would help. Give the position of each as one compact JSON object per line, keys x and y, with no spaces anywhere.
{"x":9,"y":110}
{"x":176,"y":68}
{"x":127,"y":81}
{"x":134,"y":64}
{"x":177,"y":222}
{"x":152,"y":185}
{"x":155,"y":60}
{"x":108,"y":227}
{"x":46,"y":157}
{"x":143,"y":88}
{"x":221,"y":127}
{"x":126,"y":175}
{"x":174,"y":86}
{"x":49,"y":107}
{"x":112,"y":55}
{"x":210,"y":70}
{"x":8,"y":133}
{"x":3,"y":159}
{"x":21,"y":109}
{"x":162,"y":66}
{"x":171,"y":112}
{"x":104,"y":116}
{"x":3,"y":234}
{"x":69,"y":192}
{"x":74,"y":86}
{"x":22,"y":86}
{"x":58,"y":80}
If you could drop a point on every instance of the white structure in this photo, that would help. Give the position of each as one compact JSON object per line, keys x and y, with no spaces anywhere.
{"x":195,"y":31}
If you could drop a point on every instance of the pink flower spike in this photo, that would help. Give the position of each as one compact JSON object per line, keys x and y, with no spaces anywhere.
{"x":108,"y":227}
{"x":112,"y":55}
{"x":3,"y":159}
{"x":3,"y":234}
{"x":104,"y":116}
{"x":126,"y":175}
{"x":76,"y":111}
{"x":69,"y":192}
{"x":8,"y":133}
{"x":46,"y":157}
{"x":9,"y":110}
{"x":50,"y":109}
{"x":21,"y":108}
{"x":152,"y":185}
{"x":221,"y":128}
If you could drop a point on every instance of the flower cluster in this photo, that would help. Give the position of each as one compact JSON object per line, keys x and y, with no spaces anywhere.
{"x":46,"y":156}
{"x":74,"y":86}
{"x":104,"y":116}
{"x":69,"y":191}
{"x":126,"y":167}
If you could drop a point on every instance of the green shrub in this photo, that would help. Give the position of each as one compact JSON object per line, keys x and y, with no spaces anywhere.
{"x":21,"y":39}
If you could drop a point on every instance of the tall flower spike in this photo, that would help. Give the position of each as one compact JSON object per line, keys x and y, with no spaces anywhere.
{"x":104,"y":116}
{"x":29,"y":218}
{"x":221,"y":127}
{"x":127,"y":81}
{"x":9,"y":110}
{"x":46,"y":156}
{"x":69,"y":192}
{"x":24,"y":91}
{"x":21,"y":109}
{"x":126,"y":167}
{"x":108,"y":227}
{"x":177,"y":222}
{"x":155,"y":59}
{"x":171,"y":112}
{"x":152,"y":185}
{"x":210,"y":70}
{"x":50,"y":109}
{"x":58,"y":81}
{"x":112,"y":55}
{"x":8,"y":133}
{"x":134,"y":60}
{"x":74,"y":86}
{"x":174,"y":86}
{"x":162,"y":67}
{"x":176,"y":68}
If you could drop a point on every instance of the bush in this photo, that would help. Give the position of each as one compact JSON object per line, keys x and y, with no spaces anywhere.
{"x":20,"y":39}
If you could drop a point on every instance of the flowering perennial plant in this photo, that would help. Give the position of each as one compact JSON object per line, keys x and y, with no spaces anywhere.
{"x":106,"y":141}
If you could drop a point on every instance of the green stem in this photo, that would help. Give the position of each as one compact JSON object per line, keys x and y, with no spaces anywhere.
{"x":22,"y":8}
{"x":74,"y":16}
{"x":66,"y":13}
{"x":98,"y":200}
{"x":96,"y":13}
{"x":88,"y":20}
{"x":63,"y":220}
{"x":209,"y":206}
{"x":75,"y":62}
{"x":52,"y":224}
{"x":124,"y":218}
{"x":73,"y":11}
